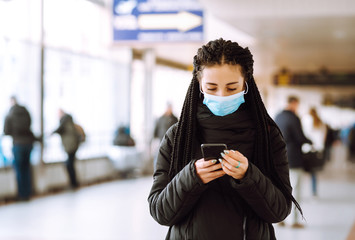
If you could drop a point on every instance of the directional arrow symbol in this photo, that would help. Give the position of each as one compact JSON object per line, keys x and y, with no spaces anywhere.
{"x":183,"y":21}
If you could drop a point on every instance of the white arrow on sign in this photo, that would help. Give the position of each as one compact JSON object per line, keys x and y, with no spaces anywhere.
{"x":183,"y":21}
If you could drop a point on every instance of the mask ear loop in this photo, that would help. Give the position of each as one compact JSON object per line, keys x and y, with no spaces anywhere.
{"x":201,"y":93}
{"x":247,"y":87}
{"x":200,"y":89}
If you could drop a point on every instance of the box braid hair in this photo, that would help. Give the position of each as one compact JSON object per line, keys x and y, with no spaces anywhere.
{"x":220,"y":52}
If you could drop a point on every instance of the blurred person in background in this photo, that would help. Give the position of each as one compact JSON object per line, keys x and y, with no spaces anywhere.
{"x":123,"y":137}
{"x":165,"y":122}
{"x":351,"y":143}
{"x":161,"y":126}
{"x":316,"y":131}
{"x":331,"y":137}
{"x":241,"y":194}
{"x":71,"y":141}
{"x":291,"y":128}
{"x":18,"y":126}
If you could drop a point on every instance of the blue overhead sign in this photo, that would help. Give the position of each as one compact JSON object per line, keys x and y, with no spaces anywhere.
{"x":157,"y":20}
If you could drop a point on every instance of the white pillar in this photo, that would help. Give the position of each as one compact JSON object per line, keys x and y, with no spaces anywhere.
{"x":149,"y":66}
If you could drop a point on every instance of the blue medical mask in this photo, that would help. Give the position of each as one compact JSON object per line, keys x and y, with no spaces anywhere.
{"x":224,"y":105}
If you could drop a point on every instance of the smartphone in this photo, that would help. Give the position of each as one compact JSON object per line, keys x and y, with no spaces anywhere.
{"x":212,"y":150}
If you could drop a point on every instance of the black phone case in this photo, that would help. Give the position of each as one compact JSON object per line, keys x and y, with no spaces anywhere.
{"x":212,"y":150}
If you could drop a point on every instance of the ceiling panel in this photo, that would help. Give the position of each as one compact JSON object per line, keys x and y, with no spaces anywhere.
{"x":300,"y":35}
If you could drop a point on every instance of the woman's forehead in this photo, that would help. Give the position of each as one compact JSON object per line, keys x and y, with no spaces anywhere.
{"x":223,"y":72}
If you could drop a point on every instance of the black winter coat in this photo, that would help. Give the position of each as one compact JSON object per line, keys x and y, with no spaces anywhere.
{"x":224,"y":208}
{"x":291,"y":128}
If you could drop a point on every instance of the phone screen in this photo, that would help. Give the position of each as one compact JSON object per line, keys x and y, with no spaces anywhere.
{"x":212,"y":150}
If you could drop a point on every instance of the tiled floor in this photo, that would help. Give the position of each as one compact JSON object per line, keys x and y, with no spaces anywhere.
{"x":119,"y":210}
{"x":332,"y":215}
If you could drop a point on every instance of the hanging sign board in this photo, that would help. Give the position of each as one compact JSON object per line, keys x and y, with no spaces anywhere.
{"x":157,"y":21}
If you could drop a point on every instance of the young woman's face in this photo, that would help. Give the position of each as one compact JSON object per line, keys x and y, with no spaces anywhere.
{"x":222,"y":80}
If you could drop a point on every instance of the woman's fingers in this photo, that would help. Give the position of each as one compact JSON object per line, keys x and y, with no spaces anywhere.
{"x":234,"y":163}
{"x":234,"y":157}
{"x":209,"y":165}
{"x":208,"y":170}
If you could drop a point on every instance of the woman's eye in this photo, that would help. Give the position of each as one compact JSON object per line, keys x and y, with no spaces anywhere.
{"x":231,"y":89}
{"x":211,"y":89}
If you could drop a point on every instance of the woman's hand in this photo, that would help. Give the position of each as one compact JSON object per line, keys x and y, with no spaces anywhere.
{"x":234,"y":163}
{"x":208,"y":170}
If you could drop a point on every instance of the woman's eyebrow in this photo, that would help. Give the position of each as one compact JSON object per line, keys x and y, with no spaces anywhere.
{"x":231,"y":83}
{"x":210,"y":83}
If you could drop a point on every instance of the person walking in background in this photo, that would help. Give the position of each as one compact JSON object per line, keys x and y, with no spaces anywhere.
{"x":331,"y":138}
{"x":291,"y":128}
{"x":240,"y":194}
{"x":351,"y":143}
{"x":316,"y":131}
{"x":70,"y":140}
{"x":165,"y":122}
{"x":18,"y":126}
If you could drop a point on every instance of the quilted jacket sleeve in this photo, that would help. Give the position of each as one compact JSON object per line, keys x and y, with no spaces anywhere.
{"x":169,"y":202}
{"x":264,"y":198}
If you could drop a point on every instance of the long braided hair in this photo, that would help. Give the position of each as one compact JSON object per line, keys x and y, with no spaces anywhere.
{"x":220,"y":52}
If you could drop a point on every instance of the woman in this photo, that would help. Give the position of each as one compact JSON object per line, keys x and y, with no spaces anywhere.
{"x":240,"y":196}
{"x":316,"y":131}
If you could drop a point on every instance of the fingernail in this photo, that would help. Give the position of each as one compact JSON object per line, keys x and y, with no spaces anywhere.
{"x":223,"y":155}
{"x":220,"y":160}
{"x":214,"y":161}
{"x":226,"y":151}
{"x":233,"y":151}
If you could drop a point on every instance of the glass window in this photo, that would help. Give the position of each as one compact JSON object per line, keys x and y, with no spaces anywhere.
{"x":94,"y":91}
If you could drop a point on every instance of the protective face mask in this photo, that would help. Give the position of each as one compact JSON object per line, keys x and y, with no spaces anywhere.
{"x":224,"y":105}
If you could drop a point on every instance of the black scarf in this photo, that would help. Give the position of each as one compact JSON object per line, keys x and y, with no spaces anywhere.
{"x":237,"y":130}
